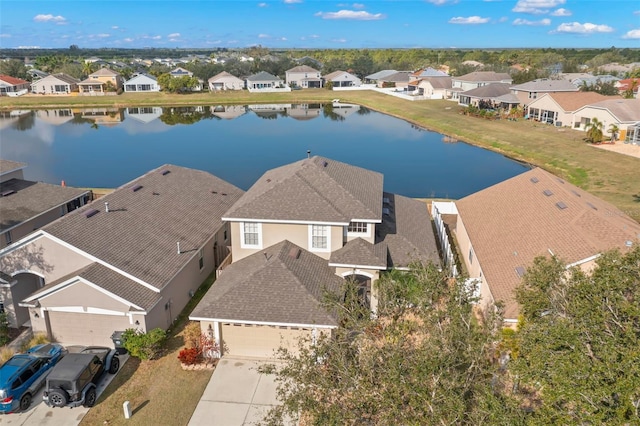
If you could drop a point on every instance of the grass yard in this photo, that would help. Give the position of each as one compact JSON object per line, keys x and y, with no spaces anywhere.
{"x":160,"y":392}
{"x":562,"y":151}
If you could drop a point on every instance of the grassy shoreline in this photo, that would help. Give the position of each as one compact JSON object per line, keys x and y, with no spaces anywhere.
{"x":562,"y":151}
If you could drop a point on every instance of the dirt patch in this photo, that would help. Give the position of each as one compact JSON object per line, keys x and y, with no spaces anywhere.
{"x":621,"y":148}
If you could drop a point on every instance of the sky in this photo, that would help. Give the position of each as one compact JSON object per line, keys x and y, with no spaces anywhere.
{"x":320,"y":24}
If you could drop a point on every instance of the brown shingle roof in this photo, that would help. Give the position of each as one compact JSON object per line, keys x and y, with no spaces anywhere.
{"x":407,"y":231}
{"x":571,"y":101}
{"x":484,"y":76}
{"x":302,"y":68}
{"x":254,"y":288}
{"x":625,"y":110}
{"x":140,"y":232}
{"x":511,"y":223}
{"x":7,"y":166}
{"x":359,"y":252}
{"x":31,"y":199}
{"x":315,"y":189}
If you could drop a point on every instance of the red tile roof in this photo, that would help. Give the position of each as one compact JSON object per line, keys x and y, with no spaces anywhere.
{"x":14,"y":81}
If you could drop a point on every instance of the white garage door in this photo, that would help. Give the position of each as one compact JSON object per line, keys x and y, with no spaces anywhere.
{"x":259,"y":341}
{"x":73,"y":328}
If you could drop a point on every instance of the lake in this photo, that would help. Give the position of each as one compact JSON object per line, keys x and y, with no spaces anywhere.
{"x":108,"y":147}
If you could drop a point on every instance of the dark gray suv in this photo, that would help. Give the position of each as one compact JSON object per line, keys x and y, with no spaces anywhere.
{"x":73,"y":382}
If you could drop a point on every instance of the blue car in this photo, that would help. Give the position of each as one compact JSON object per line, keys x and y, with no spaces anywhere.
{"x":23,"y":374}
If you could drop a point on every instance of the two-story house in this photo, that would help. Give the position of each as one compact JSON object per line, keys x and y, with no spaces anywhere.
{"x":101,"y":81}
{"x":474,"y":80}
{"x":303,"y":76}
{"x":301,"y":229}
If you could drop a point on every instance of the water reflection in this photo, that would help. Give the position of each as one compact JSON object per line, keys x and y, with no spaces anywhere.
{"x":108,"y":147}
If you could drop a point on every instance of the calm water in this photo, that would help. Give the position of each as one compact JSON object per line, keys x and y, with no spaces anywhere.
{"x":109,"y":147}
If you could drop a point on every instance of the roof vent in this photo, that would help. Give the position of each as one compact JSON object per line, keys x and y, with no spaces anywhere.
{"x":592,"y":206}
{"x":7,"y":193}
{"x":520,"y":271}
{"x":561,"y":205}
{"x":223,"y":193}
{"x":165,"y":172}
{"x":214,"y":192}
{"x":576,"y":193}
{"x":106,"y":206}
{"x":294,"y":253}
{"x":325,"y":164}
{"x":91,"y":212}
{"x":628,"y":243}
{"x":136,"y":188}
{"x":534,"y":179}
{"x":547,"y":192}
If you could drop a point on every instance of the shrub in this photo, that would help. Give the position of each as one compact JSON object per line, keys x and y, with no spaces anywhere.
{"x":190,"y":356}
{"x":4,"y":329}
{"x":37,"y":339}
{"x":192,"y":334}
{"x":5,"y":354}
{"x":144,"y":345}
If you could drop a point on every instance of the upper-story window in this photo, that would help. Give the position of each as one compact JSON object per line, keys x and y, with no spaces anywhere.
{"x":251,"y":235}
{"x":358,"y":228}
{"x":320,"y":238}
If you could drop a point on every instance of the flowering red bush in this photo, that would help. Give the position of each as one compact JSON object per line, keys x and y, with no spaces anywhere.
{"x":190,"y":356}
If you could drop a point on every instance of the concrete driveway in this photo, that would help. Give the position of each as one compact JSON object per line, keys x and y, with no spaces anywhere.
{"x":236,"y":395}
{"x":41,"y":414}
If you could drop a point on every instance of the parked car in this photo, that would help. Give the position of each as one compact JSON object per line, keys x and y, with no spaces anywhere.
{"x":23,"y":375}
{"x":73,"y":381}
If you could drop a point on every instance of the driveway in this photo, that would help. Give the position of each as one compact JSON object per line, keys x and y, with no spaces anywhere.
{"x":236,"y":395}
{"x":41,"y":414}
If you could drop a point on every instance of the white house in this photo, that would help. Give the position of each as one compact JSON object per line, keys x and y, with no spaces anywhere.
{"x":225,"y":81}
{"x":142,"y":83}
{"x":342,"y":79}
{"x":55,"y":84}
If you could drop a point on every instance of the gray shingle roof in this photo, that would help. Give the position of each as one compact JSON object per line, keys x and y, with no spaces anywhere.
{"x":485,"y":76}
{"x":302,"y":68}
{"x":111,"y":281}
{"x":140,"y":232}
{"x":407,"y":231}
{"x":315,"y":189}
{"x":546,"y":85}
{"x":359,"y":252}
{"x":492,"y":90}
{"x":262,"y":76}
{"x":7,"y":166}
{"x":625,"y":110}
{"x":31,"y":199}
{"x":255,"y":287}
{"x":380,"y":74}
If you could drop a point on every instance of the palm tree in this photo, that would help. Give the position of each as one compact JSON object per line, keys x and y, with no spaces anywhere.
{"x":614,"y":129}
{"x":594,"y":130}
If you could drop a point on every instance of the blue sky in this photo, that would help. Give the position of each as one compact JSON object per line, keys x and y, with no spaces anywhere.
{"x":320,"y":24}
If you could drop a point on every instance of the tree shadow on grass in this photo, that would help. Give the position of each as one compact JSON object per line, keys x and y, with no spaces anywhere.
{"x":139,"y":407}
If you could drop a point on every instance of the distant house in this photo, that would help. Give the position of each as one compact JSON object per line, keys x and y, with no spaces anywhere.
{"x":500,"y":230}
{"x":36,"y":74}
{"x":531,"y":90}
{"x":559,"y":108}
{"x":475,"y":79}
{"x":265,"y":82}
{"x":131,"y":259}
{"x":434,"y":87}
{"x":142,"y":83}
{"x":12,"y":86}
{"x":225,"y":81}
{"x":497,"y":95}
{"x":629,"y":84}
{"x":342,"y":79}
{"x":428,"y":72}
{"x":373,"y":78}
{"x":303,"y":76}
{"x":98,"y":82}
{"x":399,"y":80}
{"x":623,"y":113}
{"x":55,"y":84}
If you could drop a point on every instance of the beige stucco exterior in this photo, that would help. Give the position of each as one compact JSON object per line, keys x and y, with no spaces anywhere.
{"x":588,"y":113}
{"x":227,"y":82}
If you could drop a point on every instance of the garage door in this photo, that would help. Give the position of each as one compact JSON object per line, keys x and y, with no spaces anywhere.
{"x":72,"y":328}
{"x":259,"y":341}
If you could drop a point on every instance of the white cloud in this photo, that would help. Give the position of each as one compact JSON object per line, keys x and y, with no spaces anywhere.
{"x":5,"y":35}
{"x":314,"y":36}
{"x":263,"y":36}
{"x":174,"y":35}
{"x":114,"y":27}
{"x":561,"y":12}
{"x":536,"y":7}
{"x":468,"y":20}
{"x":586,"y":28}
{"x":103,"y":35}
{"x":292,"y":1}
{"x":60,"y":20}
{"x":339,"y":40}
{"x":128,"y":40}
{"x":636,"y":12}
{"x":358,"y":6}
{"x":633,"y":34}
{"x":351,"y":14}
{"x":441,"y":2}
{"x":152,"y":37}
{"x":532,"y":23}
{"x":262,"y":5}
{"x":282,"y":39}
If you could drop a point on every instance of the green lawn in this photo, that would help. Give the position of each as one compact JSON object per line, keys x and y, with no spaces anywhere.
{"x":611,"y":176}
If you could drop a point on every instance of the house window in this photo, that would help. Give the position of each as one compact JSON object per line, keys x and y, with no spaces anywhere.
{"x":319,"y":236}
{"x":201,"y":259}
{"x":251,"y":235}
{"x":358,"y":228}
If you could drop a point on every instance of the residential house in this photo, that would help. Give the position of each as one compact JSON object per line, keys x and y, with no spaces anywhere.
{"x":373,"y":78}
{"x":496,"y":95}
{"x":559,"y":108}
{"x":399,"y":80}
{"x":265,"y":82}
{"x":55,"y":84}
{"x":527,"y":92}
{"x":181,"y":72}
{"x":142,"y":83}
{"x":303,"y":76}
{"x":301,"y":227}
{"x":131,"y":259}
{"x":621,"y":113}
{"x":434,"y":87}
{"x":225,"y":81}
{"x":25,"y":207}
{"x":631,"y":85}
{"x":12,"y":86}
{"x":500,"y":230}
{"x":428,"y":72}
{"x":36,"y":74}
{"x":101,"y":81}
{"x":475,"y":79}
{"x":594,"y":80}
{"x":340,"y":79}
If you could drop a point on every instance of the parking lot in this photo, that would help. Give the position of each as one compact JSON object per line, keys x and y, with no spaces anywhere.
{"x":41,"y":414}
